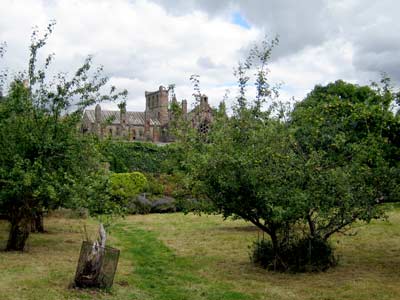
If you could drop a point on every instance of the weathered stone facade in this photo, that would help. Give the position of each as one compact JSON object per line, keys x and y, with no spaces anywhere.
{"x":150,"y":125}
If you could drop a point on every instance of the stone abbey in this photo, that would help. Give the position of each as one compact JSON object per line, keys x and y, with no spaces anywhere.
{"x":150,"y":125}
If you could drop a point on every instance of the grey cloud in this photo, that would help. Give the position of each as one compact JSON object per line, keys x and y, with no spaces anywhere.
{"x":298,"y":23}
{"x":370,"y":26}
{"x":206,"y":62}
{"x":377,"y":41}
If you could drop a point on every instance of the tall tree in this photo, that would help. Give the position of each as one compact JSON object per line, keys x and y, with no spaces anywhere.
{"x":44,"y":161}
{"x":348,"y":133}
{"x":300,"y":177}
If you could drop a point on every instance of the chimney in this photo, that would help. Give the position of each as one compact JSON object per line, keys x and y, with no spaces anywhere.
{"x":25,"y":82}
{"x":122,"y":112}
{"x":97,"y":113}
{"x":184,"y":107}
{"x":203,"y":100}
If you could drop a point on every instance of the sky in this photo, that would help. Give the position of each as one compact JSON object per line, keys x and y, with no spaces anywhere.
{"x":143,"y":44}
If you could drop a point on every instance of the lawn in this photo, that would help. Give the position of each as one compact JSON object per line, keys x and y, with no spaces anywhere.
{"x":177,"y":256}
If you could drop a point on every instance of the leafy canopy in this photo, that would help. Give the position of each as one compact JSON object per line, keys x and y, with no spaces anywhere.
{"x":299,"y":175}
{"x":44,"y":161}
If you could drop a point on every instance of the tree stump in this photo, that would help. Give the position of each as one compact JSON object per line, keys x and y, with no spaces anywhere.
{"x":97,"y":263}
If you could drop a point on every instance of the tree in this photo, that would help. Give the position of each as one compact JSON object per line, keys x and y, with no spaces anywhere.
{"x":348,"y":135}
{"x":249,"y":167}
{"x":300,"y":177}
{"x":44,"y":161}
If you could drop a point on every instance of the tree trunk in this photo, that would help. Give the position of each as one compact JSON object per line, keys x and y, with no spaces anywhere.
{"x":37,"y":222}
{"x":311,"y":225}
{"x":275,"y":246}
{"x":19,"y":233}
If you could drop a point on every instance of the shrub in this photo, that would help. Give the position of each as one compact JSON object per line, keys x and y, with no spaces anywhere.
{"x":127,"y":185}
{"x":139,"y":205}
{"x":154,"y":186}
{"x":163,"y":205}
{"x":124,"y":189}
{"x":304,"y":255}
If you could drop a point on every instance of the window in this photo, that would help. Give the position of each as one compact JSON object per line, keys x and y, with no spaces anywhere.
{"x":204,"y":127}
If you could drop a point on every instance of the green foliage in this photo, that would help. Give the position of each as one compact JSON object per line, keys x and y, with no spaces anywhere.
{"x":154,"y":186}
{"x":128,"y":157}
{"x":171,"y":185}
{"x":44,"y":161}
{"x":299,"y":176}
{"x":124,"y":188}
{"x":346,"y":134}
{"x":127,"y":185}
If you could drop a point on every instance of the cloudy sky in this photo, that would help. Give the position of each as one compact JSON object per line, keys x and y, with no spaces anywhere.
{"x":146,"y":43}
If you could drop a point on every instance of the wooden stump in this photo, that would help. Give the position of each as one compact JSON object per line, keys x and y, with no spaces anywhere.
{"x":97,"y":263}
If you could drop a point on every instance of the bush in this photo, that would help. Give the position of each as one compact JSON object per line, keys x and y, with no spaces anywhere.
{"x":143,"y":205}
{"x":139,"y":205}
{"x":153,"y":193}
{"x":154,"y":186}
{"x":124,"y":189}
{"x":304,"y":255}
{"x":127,"y":185}
{"x":163,"y":205}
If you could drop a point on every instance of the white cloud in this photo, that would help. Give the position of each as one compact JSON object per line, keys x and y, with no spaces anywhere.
{"x":145,"y":43}
{"x":140,"y":45}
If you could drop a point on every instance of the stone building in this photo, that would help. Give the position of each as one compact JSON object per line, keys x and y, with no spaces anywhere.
{"x":201,"y":116}
{"x":150,"y":125}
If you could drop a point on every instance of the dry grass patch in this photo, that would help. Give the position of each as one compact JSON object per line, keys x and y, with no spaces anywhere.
{"x":368,"y":266}
{"x":47,"y":267}
{"x":176,"y":256}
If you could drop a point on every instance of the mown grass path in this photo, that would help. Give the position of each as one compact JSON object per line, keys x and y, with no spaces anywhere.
{"x":176,"y":256}
{"x":161,"y":274}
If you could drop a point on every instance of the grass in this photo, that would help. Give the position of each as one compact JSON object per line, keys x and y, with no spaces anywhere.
{"x":178,"y":256}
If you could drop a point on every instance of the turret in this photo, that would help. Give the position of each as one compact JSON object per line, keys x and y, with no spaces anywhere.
{"x":203,"y":100}
{"x":122,"y":113}
{"x":97,"y":120}
{"x":97,"y":113}
{"x":184,"y":107}
{"x":163,"y":106}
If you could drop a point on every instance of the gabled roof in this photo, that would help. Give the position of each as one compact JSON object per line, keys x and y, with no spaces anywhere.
{"x":199,"y":109}
{"x":113,"y":116}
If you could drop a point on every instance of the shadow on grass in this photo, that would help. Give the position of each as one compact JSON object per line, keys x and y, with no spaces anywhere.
{"x":249,"y":228}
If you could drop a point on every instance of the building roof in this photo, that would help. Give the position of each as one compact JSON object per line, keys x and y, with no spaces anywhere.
{"x":113,"y":116}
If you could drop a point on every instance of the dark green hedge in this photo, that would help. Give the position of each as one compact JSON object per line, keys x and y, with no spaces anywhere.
{"x":135,"y":156}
